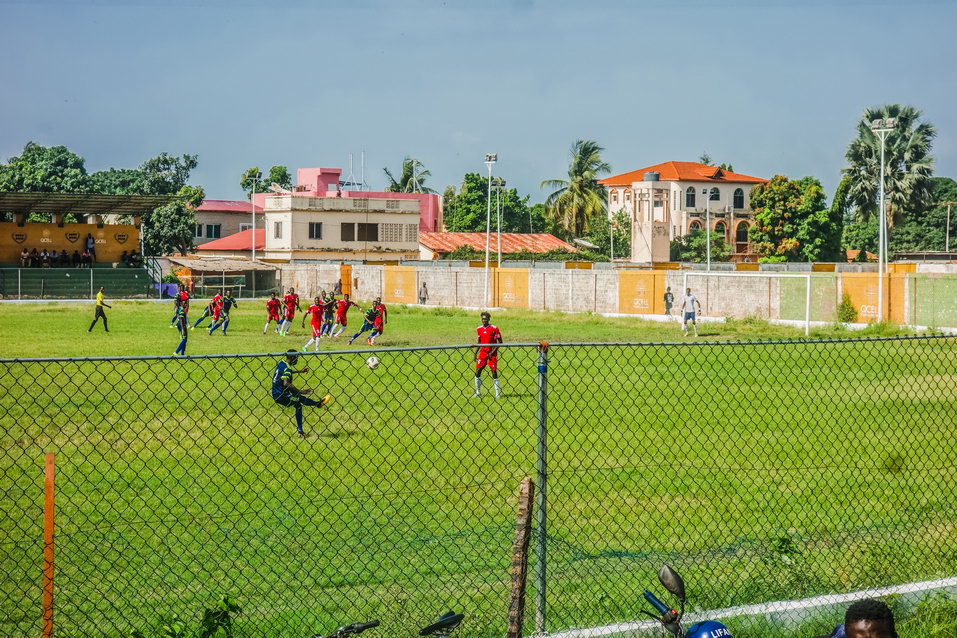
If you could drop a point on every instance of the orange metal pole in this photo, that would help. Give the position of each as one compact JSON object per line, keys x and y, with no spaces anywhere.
{"x":48,"y":548}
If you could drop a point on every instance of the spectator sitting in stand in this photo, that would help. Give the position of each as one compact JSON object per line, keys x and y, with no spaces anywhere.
{"x":24,"y":258}
{"x":75,"y":258}
{"x":44,"y":258}
{"x":34,"y":259}
{"x":125,"y":259}
{"x":63,"y":259}
{"x":87,"y":259}
{"x":136,"y":259}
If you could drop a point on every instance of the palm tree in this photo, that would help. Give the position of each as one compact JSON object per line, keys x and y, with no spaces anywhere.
{"x":908,"y":166}
{"x":411,"y":179}
{"x":578,"y":199}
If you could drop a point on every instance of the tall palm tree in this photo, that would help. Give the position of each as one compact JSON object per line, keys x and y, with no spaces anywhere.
{"x":411,"y":179}
{"x":908,"y":165}
{"x":575,"y":201}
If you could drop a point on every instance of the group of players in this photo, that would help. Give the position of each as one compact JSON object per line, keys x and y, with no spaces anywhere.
{"x":329,"y":316}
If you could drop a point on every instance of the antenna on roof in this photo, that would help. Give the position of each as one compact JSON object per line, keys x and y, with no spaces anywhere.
{"x":350,"y":182}
{"x":364,"y":186}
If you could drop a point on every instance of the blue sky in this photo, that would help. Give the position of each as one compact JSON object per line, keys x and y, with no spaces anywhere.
{"x":772,"y":87}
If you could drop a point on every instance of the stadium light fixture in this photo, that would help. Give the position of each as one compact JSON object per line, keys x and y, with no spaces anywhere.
{"x":500,"y":184}
{"x":490,"y":159}
{"x":707,"y":224}
{"x":882,"y":127}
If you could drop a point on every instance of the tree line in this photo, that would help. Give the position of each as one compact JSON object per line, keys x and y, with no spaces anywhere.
{"x":792,"y":218}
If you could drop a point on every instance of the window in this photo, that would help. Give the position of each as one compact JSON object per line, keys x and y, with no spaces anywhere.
{"x":741,"y":235}
{"x":392,"y":232}
{"x":315,"y":230}
{"x":368,"y":232}
{"x":198,"y":231}
{"x":277,"y":230}
{"x":214,"y":231}
{"x":360,"y":204}
{"x":614,"y":197}
{"x":347,"y":232}
{"x":720,"y":229}
{"x":739,"y":198}
{"x":689,"y":197}
{"x":627,"y":196}
{"x":392,"y":204}
{"x":243,"y":227}
{"x":695,"y":225}
{"x":715,"y":195}
{"x":412,"y":232}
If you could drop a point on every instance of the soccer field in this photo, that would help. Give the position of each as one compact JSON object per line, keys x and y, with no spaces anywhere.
{"x":761,"y":471}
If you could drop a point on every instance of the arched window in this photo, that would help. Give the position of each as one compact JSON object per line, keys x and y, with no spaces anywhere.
{"x":689,"y":197}
{"x":741,"y":235}
{"x":695,"y":225}
{"x":627,"y":196}
{"x":739,"y":198}
{"x":720,"y":229}
{"x":614,"y":197}
{"x":715,"y":196}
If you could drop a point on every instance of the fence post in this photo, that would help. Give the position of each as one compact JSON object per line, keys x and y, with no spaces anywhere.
{"x":541,"y":471}
{"x":19,"y":285}
{"x":91,"y":281}
{"x":49,"y":470}
{"x":523,"y":529}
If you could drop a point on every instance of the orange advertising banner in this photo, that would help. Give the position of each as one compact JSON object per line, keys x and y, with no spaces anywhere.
{"x":641,"y":292}
{"x":862,"y":287}
{"x":109,"y":241}
{"x":511,"y":287}
{"x":399,"y":284}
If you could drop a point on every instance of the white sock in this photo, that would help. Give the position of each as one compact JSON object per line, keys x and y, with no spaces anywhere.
{"x":266,"y":327}
{"x":339,"y":331}
{"x":309,"y":343}
{"x":478,"y":385}
{"x":498,"y":387}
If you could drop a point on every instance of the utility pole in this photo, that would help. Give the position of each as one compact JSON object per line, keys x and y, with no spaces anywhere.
{"x":949,"y":205}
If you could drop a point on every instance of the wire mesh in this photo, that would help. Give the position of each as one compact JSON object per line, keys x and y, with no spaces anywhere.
{"x":762,"y":471}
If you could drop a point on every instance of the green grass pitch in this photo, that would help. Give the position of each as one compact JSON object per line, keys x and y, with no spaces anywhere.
{"x":760,"y":471}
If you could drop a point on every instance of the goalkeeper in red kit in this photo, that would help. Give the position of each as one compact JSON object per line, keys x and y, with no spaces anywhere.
{"x":487,"y":356}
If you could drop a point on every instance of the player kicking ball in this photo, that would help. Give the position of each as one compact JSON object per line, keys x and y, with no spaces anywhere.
{"x":488,"y":355}
{"x":287,"y":395}
{"x":688,"y":307}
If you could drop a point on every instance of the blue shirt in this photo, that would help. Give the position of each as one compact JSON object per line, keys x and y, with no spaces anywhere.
{"x":282,"y":371}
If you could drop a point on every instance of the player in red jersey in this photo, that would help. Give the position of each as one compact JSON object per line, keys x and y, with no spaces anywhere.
{"x":217,"y":305}
{"x":382,"y":318}
{"x":487,"y":356}
{"x":315,"y":310}
{"x":272,"y":312}
{"x":291,"y":304}
{"x":342,"y":309}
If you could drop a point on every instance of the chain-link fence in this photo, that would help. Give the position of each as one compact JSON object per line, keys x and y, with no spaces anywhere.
{"x":761,"y":471}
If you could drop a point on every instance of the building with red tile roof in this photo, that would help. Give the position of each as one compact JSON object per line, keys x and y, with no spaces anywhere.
{"x":668,"y":200}
{"x":220,"y":218}
{"x":433,"y":245}
{"x":235,"y":245}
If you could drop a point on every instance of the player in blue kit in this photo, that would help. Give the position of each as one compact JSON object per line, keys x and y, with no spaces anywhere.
{"x":286,"y":394}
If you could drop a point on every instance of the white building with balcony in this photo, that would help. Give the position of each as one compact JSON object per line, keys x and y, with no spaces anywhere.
{"x":374,"y":227}
{"x":671,"y":199}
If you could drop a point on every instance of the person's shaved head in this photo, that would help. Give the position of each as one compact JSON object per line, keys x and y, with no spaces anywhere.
{"x":869,"y":618}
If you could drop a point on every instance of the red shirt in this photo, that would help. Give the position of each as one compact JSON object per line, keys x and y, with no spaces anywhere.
{"x":488,"y":334}
{"x":272,"y":306}
{"x":217,"y":303}
{"x":342,"y":307}
{"x":316,"y":312}
{"x":291,"y":302}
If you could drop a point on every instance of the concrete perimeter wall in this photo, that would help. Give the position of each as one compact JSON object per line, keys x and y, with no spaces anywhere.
{"x":913,"y":298}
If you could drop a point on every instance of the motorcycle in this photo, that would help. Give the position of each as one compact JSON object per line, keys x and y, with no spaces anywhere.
{"x":670,"y":619}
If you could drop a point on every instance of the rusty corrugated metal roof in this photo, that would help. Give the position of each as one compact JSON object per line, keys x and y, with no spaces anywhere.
{"x":511,"y":242}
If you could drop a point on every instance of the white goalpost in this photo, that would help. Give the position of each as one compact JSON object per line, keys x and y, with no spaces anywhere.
{"x":769,"y":276}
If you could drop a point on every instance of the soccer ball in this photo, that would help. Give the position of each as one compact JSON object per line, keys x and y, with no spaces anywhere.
{"x":372,"y":362}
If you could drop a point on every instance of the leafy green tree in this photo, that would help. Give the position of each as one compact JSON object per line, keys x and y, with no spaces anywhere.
{"x":600,"y":234}
{"x":44,"y":169}
{"x":169,"y":228}
{"x":411,"y":178}
{"x":694,"y":247}
{"x":167,"y":174}
{"x":860,"y":235}
{"x":465,"y":212}
{"x":705,"y":159}
{"x":576,"y":201}
{"x":792,"y":221}
{"x":908,"y":164}
{"x":727,"y":167}
{"x":926,"y":229}
{"x":118,"y":181}
{"x":276,"y":175}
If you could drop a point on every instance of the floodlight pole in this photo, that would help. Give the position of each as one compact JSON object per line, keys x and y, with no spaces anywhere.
{"x":881,"y":128}
{"x":500,"y":183}
{"x":490,"y":159}
{"x":707,"y":224}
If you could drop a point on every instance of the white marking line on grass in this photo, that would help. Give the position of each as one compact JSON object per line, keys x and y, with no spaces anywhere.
{"x":775,"y":607}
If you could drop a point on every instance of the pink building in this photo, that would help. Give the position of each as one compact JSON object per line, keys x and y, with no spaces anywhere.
{"x":324,"y":182}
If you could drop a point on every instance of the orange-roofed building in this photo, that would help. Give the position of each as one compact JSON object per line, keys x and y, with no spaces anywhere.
{"x":434,"y":245}
{"x":669,"y":200}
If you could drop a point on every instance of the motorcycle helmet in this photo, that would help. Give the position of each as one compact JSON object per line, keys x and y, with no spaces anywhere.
{"x":708,"y":629}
